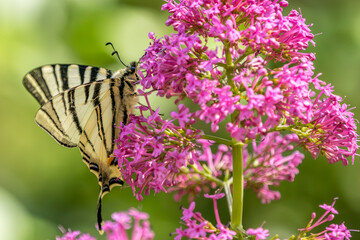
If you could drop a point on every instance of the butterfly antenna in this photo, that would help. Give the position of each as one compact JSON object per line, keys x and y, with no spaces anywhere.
{"x":115,"y":53}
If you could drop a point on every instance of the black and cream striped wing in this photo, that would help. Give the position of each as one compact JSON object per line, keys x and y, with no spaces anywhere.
{"x":82,"y":106}
{"x":66,"y":115}
{"x":96,"y":142}
{"x":47,"y":81}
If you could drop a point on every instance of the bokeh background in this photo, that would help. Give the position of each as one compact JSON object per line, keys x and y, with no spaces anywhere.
{"x":44,"y":185}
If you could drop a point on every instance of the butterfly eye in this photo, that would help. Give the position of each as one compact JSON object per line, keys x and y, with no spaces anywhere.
{"x":133,"y":66}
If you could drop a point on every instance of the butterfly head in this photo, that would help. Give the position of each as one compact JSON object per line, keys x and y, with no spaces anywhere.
{"x":129,"y":73}
{"x":133,"y":67}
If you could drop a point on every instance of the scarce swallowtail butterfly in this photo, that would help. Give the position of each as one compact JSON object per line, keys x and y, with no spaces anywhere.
{"x":81,"y":106}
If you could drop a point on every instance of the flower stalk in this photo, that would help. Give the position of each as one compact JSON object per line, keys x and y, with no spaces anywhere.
{"x":238,"y":187}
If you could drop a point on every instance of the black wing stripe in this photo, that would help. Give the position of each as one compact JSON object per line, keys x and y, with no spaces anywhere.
{"x":86,"y":157}
{"x":95,"y":96}
{"x":86,"y":160}
{"x":121,"y":88}
{"x":55,"y":76}
{"x":94,"y":74}
{"x":31,"y":88}
{"x":53,"y":122}
{"x":64,"y":76}
{"x":131,"y":86}
{"x":100,"y":124}
{"x":113,"y":109}
{"x":108,"y":73}
{"x":116,"y":181}
{"x":89,"y":141}
{"x":60,"y":142}
{"x":72,"y":110}
{"x":64,"y":102}
{"x":87,"y":91}
{"x":55,"y":112}
{"x":41,"y":83}
{"x":125,"y":115}
{"x":97,"y":105}
{"x":82,"y":69}
{"x":94,"y":167}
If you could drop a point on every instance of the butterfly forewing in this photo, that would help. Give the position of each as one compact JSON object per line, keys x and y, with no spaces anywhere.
{"x":48,"y":81}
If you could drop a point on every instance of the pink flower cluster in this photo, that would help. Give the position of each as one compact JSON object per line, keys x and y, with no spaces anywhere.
{"x":332,"y":232}
{"x":197,"y":227}
{"x":206,"y":167}
{"x":256,"y":24}
{"x":234,"y":78}
{"x":75,"y":235}
{"x":151,"y":151}
{"x":333,"y":130}
{"x":259,"y":233}
{"x":267,"y":166}
{"x":119,"y":229}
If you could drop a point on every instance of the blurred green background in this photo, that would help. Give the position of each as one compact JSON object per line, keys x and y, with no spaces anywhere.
{"x":44,"y":185}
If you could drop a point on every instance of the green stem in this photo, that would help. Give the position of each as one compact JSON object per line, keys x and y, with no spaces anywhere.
{"x":207,"y":175}
{"x":217,"y":139}
{"x":238,"y":187}
{"x":228,"y":195}
{"x":237,"y":153}
{"x":230,"y":69}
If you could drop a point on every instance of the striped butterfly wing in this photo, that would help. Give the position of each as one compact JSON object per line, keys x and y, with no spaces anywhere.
{"x":65,"y":115}
{"x":48,"y":81}
{"x":86,"y":115}
{"x":96,"y":141}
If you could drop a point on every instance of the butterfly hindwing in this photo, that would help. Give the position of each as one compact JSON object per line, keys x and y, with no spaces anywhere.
{"x":65,"y":115}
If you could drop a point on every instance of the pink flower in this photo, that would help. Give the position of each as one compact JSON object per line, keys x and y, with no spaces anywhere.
{"x":259,"y":233}
{"x":75,"y":235}
{"x":120,"y":228}
{"x":334,"y":231}
{"x":199,"y":228}
{"x":337,"y":232}
{"x":123,"y":221}
{"x":183,"y":116}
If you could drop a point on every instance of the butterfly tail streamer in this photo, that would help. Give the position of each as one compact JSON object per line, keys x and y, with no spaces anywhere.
{"x":99,"y":215}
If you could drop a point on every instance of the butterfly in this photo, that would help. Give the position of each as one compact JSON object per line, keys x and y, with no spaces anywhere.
{"x":82,"y":106}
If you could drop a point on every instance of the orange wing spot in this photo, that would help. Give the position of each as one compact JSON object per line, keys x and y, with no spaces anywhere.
{"x":110,"y":160}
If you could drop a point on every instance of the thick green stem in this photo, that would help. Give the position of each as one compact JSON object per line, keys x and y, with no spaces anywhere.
{"x":238,"y":187}
{"x":237,"y":153}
